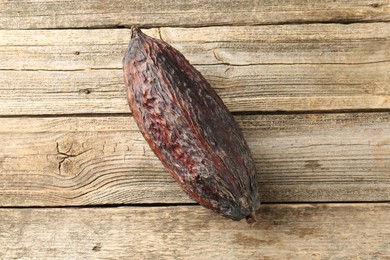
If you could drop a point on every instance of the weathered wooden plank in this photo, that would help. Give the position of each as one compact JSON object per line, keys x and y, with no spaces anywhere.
{"x":261,"y":68}
{"x":242,"y":88}
{"x":283,"y":44}
{"x":324,"y":231}
{"x":104,"y":160}
{"x":104,"y":13}
{"x":239,"y":45}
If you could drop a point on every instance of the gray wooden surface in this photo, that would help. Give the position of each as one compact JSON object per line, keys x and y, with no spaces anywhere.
{"x":308,"y":83}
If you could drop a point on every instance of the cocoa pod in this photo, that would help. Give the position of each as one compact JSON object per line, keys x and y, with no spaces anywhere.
{"x":189,"y":128}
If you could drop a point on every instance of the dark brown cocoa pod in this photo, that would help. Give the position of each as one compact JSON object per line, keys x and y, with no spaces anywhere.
{"x":189,"y":128}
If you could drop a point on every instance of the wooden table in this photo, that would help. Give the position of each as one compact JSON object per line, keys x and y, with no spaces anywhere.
{"x":309,"y":85}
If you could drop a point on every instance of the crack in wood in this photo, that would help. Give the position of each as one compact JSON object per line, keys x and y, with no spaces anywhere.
{"x":62,"y":156}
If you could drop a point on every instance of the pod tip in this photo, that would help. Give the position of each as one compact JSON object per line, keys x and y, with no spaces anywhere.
{"x":251,"y":219}
{"x":135,"y":31}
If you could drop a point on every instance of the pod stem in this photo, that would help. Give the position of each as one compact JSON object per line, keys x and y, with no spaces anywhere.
{"x":251,"y":218}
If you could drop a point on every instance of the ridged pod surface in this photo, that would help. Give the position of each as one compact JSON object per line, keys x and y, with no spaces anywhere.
{"x":189,"y":128}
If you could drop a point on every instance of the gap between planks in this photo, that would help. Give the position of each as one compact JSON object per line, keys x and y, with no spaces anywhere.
{"x":194,"y":204}
{"x":145,"y":27}
{"x":235,"y":113}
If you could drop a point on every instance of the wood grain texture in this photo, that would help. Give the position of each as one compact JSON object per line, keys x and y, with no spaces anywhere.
{"x":103,"y":13}
{"x":260,"y":68}
{"x":231,"y":45}
{"x":324,"y":231}
{"x":242,"y":88}
{"x":105,"y":160}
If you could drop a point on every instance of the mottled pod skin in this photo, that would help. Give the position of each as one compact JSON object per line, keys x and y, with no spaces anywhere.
{"x":189,"y":128}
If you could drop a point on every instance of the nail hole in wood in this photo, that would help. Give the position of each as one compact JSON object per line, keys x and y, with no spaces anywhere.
{"x":375,"y":5}
{"x":85,"y":91}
